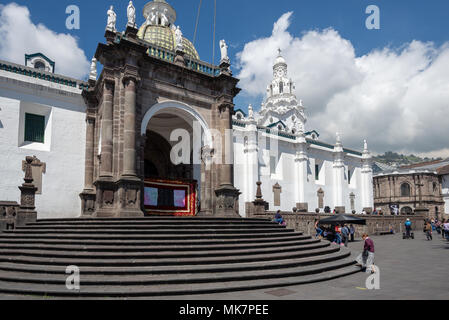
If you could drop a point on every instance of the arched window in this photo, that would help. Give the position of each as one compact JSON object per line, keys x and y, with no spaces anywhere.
{"x":39,"y":65}
{"x":281,"y":87}
{"x":407,"y":211}
{"x":405,"y":190}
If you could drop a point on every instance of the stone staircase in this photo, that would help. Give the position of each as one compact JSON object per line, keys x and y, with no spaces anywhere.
{"x":163,"y":256}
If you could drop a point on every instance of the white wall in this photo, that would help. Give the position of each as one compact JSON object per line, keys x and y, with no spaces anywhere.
{"x":64,"y":148}
{"x":445,"y":190}
{"x":285,"y":174}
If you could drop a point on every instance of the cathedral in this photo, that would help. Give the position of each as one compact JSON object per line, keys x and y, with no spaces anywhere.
{"x":116,"y":146}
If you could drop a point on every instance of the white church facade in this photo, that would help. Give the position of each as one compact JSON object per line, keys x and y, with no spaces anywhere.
{"x":296,"y":169}
{"x":95,"y":150}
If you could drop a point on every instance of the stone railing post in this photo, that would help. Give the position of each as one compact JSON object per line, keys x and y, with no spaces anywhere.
{"x":27,"y":213}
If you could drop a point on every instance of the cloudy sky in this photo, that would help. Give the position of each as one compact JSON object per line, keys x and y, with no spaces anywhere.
{"x":389,"y":86}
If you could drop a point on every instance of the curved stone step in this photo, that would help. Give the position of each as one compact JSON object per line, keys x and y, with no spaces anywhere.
{"x":157,"y":255}
{"x":176,"y":236}
{"x":154,"y":218}
{"x":94,"y":247}
{"x":172,"y":289}
{"x":179,"y":269}
{"x":167,"y":231}
{"x":143,"y":261}
{"x":152,"y":280}
{"x":157,"y":226}
{"x":153,"y":222}
{"x":165,"y":242}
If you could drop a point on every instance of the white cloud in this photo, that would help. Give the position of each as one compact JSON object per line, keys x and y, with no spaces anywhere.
{"x":398,"y":99}
{"x":20,"y":36}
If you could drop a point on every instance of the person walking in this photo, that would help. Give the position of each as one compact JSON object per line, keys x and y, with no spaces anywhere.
{"x":428,"y":230}
{"x":446,"y":229}
{"x":438,"y":226}
{"x":344,"y":235}
{"x":366,"y":259}
{"x":408,"y":228}
{"x":442,"y":228}
{"x":352,"y":232}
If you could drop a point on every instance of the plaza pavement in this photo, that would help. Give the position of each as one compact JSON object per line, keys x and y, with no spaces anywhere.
{"x":409,"y":270}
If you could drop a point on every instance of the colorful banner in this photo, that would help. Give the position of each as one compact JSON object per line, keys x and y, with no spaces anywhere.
{"x":165,"y":197}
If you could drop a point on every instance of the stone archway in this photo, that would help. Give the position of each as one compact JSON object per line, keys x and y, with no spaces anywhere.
{"x":159,"y":122}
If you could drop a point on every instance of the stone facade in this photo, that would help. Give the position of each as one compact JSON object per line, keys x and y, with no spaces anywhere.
{"x":136,"y":85}
{"x":409,"y":191}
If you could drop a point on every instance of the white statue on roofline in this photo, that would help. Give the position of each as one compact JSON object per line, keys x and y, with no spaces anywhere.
{"x":224,"y":51}
{"x":93,"y":70}
{"x":112,"y":19}
{"x":131,"y":15}
{"x":164,"y":19}
{"x":178,"y":39}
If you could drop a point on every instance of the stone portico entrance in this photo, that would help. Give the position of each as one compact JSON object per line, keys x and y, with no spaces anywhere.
{"x":139,"y":92}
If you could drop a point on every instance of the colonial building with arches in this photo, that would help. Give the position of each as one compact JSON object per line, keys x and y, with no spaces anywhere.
{"x":414,"y":189}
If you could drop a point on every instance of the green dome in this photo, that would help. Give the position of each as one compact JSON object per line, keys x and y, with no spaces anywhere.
{"x":164,"y":37}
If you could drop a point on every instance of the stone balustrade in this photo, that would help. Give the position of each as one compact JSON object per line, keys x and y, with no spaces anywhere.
{"x":305,"y":222}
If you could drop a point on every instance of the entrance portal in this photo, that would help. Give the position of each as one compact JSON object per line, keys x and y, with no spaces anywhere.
{"x":172,"y":187}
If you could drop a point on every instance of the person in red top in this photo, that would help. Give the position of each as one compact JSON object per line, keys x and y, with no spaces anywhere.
{"x":366,"y":259}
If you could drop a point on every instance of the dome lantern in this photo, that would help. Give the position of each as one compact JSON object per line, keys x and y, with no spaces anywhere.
{"x":159,"y":28}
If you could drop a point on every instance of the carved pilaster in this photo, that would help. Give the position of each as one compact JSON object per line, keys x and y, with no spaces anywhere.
{"x":107,"y":129}
{"x":130,"y":151}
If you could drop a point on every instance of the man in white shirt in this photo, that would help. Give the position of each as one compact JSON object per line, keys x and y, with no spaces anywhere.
{"x":446,"y":229}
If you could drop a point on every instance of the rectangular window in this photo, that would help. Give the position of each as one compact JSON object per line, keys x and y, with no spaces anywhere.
{"x":349,"y":175}
{"x":317,"y":172}
{"x":34,"y":128}
{"x":273,"y":165}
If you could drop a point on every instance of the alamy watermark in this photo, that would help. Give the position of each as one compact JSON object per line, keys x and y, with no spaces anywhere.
{"x":373,"y":20}
{"x":373,"y":281}
{"x":73,"y":280}
{"x":73,"y":21}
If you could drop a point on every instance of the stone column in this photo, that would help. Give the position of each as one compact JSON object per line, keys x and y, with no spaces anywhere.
{"x":107,"y":129}
{"x":339,"y":177}
{"x":227,"y":194}
{"x":106,"y":188}
{"x":130,"y":185}
{"x":367,"y":181}
{"x":301,"y":174}
{"x":88,"y":194}
{"x":129,"y":156}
